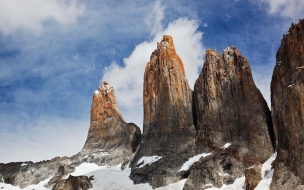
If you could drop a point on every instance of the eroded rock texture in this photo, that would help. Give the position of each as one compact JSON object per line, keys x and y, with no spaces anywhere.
{"x":253,"y":176}
{"x":287,"y":104}
{"x":110,"y":139}
{"x":229,"y":109}
{"x":168,"y":130}
{"x":26,"y":173}
{"x":74,"y":183}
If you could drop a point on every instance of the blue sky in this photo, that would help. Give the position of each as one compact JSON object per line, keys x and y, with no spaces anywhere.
{"x":54,"y":54}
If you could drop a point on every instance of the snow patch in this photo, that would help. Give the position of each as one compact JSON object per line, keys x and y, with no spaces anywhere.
{"x":192,"y":160}
{"x":23,"y":164}
{"x":109,"y":177}
{"x":86,"y":167}
{"x":289,"y":86}
{"x":300,"y":67}
{"x":227,"y":48}
{"x":223,"y":174}
{"x":107,"y":87}
{"x":96,"y":92}
{"x":86,"y":156}
{"x":101,"y":154}
{"x":266,"y":178}
{"x":39,"y":186}
{"x":147,"y":160}
{"x":226,"y":145}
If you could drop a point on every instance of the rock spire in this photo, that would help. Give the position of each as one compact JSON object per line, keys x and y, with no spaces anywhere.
{"x":168,"y":130}
{"x":233,"y":120}
{"x":109,"y":136}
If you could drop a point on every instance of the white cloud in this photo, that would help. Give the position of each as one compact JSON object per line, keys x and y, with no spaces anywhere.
{"x":288,"y":8}
{"x":30,"y":14}
{"x":154,"y":18}
{"x":127,"y":80}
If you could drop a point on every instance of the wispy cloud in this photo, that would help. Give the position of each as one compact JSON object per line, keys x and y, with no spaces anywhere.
{"x":31,"y":14}
{"x":154,"y":18}
{"x":287,"y":8}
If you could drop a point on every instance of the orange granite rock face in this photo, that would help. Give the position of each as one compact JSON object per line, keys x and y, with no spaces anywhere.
{"x":103,"y":108}
{"x":287,"y":105}
{"x":168,"y":130}
{"x":109,"y":135}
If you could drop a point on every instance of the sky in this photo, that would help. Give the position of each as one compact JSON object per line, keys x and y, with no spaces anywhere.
{"x":54,"y":54}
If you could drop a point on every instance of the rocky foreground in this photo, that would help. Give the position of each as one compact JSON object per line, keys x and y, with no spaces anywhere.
{"x":222,"y":134}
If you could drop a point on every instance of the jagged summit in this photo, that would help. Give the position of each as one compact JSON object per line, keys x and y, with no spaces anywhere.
{"x":233,"y":120}
{"x":164,"y":49}
{"x":109,"y":134}
{"x":104,"y":103}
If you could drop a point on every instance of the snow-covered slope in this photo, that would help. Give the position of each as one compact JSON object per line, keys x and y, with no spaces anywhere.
{"x":113,"y":178}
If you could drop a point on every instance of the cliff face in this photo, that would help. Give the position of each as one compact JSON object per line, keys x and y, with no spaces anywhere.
{"x":110,"y":140}
{"x":287,"y":104}
{"x":233,"y":120}
{"x":168,"y":131}
{"x":230,"y":109}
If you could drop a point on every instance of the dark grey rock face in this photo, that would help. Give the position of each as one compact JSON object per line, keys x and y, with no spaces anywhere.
{"x":229,"y":109}
{"x":168,"y":130}
{"x":26,"y":173}
{"x":287,"y":105}
{"x":214,"y":170}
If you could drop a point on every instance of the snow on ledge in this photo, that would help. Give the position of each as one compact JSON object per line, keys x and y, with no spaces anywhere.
{"x":192,"y":160}
{"x":147,"y":160}
{"x":86,"y":168}
{"x":226,"y":145}
{"x":266,"y":178}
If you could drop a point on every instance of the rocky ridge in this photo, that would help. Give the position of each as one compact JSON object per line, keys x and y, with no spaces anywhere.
{"x":287,"y":105}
